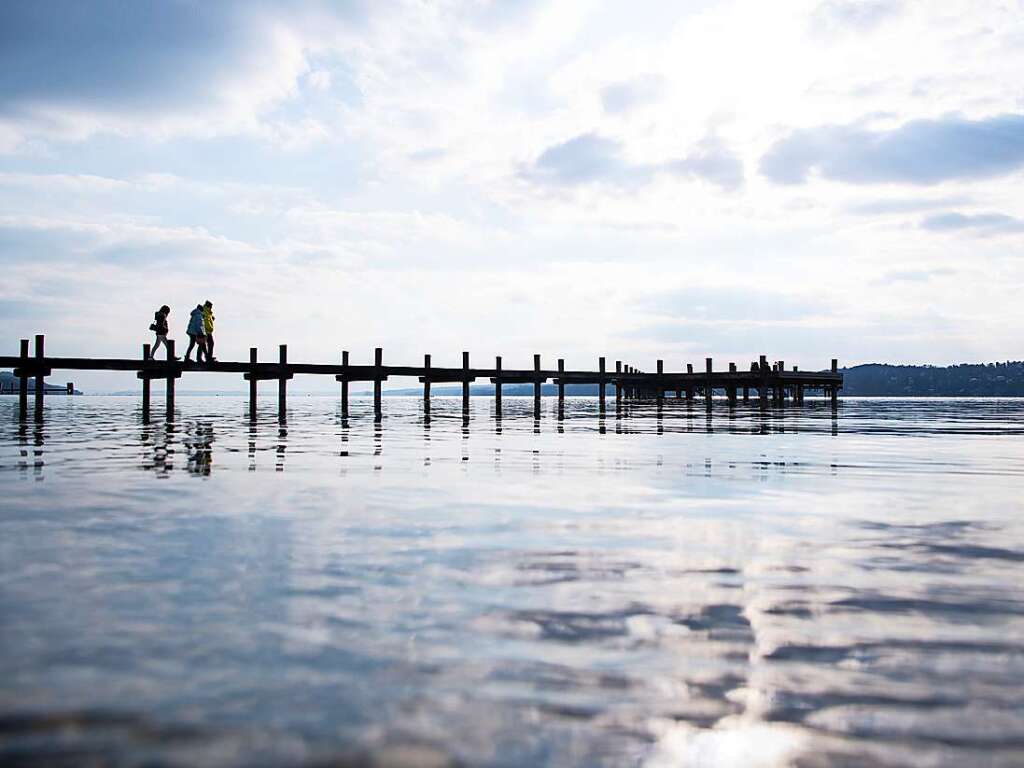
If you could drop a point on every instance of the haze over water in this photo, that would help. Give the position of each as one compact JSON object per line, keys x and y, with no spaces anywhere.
{"x":739,"y":588}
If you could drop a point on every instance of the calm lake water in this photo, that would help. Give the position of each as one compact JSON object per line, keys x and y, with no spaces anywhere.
{"x":795,"y":587}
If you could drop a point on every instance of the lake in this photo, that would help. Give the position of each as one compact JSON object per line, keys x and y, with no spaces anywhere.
{"x":658,"y":587}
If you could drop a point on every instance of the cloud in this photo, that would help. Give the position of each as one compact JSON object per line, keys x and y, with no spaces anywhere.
{"x":919,"y":152}
{"x":627,"y":95}
{"x":716,"y":304}
{"x":712,"y":162}
{"x":980,"y":223}
{"x":70,"y":69}
{"x":913,"y":275}
{"x":590,"y":158}
{"x":579,"y":160}
{"x":837,"y":16}
{"x":904,"y":205}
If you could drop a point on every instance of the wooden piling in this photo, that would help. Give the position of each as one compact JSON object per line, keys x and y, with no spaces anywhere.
{"x":561,"y":383}
{"x":40,"y":376}
{"x":147,"y":354}
{"x":378,"y":361}
{"x":426,"y":383}
{"x":497,"y":385}
{"x":762,"y":389}
{"x":780,"y":388}
{"x":731,"y":389}
{"x":618,"y":384}
{"x":282,"y":384}
{"x":537,"y":385}
{"x":708,"y":387}
{"x":689,"y":387}
{"x":344,"y":384}
{"x":169,"y":411}
{"x":253,"y":357}
{"x":659,"y":390}
{"x":834,"y":388}
{"x":465,"y":382}
{"x":23,"y":382}
{"x":602,"y":385}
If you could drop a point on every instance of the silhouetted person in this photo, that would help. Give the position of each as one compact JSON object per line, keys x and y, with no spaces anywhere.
{"x":160,"y":328}
{"x":196,"y":334}
{"x":208,"y":330}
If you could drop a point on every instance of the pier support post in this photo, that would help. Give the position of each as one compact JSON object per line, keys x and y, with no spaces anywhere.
{"x":253,"y":357}
{"x":731,"y":389}
{"x":378,"y":361}
{"x":426,"y":384}
{"x":40,"y":378}
{"x":282,"y":384}
{"x":835,"y":389}
{"x":601,"y":386}
{"x":659,"y":391}
{"x":708,"y":388}
{"x":780,"y":392}
{"x":537,"y":386}
{"x":497,"y":385}
{"x":146,"y":355}
{"x":23,"y":382}
{"x":689,"y":387}
{"x":170,"y":381}
{"x":561,"y":383}
{"x":762,"y":389}
{"x":344,"y":384}
{"x":618,"y":384}
{"x":465,"y":382}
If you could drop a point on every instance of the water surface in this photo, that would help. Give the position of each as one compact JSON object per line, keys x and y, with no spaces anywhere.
{"x":655,"y":587}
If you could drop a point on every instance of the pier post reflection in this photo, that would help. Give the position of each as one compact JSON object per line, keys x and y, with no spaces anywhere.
{"x":282,"y":443}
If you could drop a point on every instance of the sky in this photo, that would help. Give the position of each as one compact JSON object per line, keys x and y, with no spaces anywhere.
{"x":643,"y":180}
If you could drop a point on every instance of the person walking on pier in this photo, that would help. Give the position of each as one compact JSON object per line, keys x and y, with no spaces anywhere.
{"x":208,"y":329}
{"x":196,"y":335}
{"x":160,"y":328}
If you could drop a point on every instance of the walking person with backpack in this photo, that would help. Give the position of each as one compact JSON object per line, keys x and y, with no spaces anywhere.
{"x":160,"y":328}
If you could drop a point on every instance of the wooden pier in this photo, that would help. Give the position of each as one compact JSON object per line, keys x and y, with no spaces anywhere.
{"x":773,"y":382}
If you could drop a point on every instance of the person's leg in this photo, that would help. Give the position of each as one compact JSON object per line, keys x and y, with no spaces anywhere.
{"x":159,"y":340}
{"x":191,"y":344}
{"x":200,"y":348}
{"x":209,"y":347}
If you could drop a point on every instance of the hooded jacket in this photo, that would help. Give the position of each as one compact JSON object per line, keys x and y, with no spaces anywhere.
{"x":195,"y":323}
{"x":208,"y":320}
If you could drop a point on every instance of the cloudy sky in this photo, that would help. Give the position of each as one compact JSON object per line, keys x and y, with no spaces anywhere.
{"x":806,"y":179}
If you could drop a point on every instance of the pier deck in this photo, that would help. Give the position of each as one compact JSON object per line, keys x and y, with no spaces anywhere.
{"x":772,"y":382}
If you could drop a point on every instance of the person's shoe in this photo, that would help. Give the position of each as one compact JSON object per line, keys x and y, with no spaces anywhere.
{"x":178,"y":358}
{"x":188,"y":359}
{"x":211,"y":359}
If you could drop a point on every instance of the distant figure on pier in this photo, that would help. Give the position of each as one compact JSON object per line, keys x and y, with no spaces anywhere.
{"x":208,"y":329}
{"x":196,"y":335}
{"x":160,"y":328}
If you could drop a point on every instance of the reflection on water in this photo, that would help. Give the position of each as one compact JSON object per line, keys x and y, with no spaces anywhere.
{"x":653,"y":586}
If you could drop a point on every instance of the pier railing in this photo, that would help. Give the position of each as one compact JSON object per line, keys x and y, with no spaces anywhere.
{"x":773,"y":382}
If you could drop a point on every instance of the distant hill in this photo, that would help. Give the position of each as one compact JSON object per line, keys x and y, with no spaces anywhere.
{"x":9,"y":385}
{"x":964,"y":380}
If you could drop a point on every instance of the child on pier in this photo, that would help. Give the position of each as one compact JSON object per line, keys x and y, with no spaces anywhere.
{"x":160,"y":328}
{"x":196,"y":335}
{"x":208,"y":330}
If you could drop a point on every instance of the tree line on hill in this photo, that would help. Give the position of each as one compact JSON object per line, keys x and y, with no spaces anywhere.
{"x":964,"y":380}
